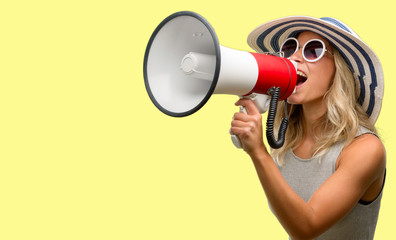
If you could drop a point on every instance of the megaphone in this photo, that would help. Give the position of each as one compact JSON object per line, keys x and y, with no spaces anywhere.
{"x":184,"y":64}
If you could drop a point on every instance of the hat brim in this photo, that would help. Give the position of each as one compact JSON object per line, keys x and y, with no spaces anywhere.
{"x":362,"y":60}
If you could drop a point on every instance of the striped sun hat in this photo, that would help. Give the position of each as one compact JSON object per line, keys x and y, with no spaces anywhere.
{"x":361,"y":59}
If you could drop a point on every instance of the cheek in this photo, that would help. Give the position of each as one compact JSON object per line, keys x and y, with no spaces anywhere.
{"x":324,"y":76}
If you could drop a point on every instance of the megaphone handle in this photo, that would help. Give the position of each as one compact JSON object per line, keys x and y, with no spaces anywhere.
{"x":262,"y":102}
{"x":235,"y":139}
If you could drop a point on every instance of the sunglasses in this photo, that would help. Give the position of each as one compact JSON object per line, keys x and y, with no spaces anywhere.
{"x":312,"y":51}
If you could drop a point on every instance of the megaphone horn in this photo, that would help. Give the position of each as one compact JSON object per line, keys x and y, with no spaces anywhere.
{"x":184,"y":64}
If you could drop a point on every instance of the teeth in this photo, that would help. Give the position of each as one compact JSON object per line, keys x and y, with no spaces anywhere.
{"x":301,"y":74}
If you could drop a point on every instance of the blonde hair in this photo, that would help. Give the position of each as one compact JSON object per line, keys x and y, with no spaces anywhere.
{"x":341,"y":122}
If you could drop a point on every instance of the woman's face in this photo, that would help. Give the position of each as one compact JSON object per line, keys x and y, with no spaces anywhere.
{"x":314,"y":78}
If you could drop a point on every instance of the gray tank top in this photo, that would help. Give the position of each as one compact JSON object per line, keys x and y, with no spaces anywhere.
{"x":307,"y":175}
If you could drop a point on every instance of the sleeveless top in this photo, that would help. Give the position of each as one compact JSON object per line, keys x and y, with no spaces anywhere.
{"x":306,"y":175}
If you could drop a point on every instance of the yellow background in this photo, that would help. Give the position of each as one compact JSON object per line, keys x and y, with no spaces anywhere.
{"x":84,"y":154}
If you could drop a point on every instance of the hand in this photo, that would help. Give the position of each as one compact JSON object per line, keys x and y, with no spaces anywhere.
{"x":248,"y":127}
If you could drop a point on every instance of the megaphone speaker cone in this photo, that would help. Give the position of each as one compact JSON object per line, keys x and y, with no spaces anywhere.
{"x":166,"y":82}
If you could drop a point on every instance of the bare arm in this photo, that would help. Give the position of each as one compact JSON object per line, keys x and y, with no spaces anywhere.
{"x":360,"y":169}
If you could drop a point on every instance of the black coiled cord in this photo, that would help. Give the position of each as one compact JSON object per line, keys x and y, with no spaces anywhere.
{"x":270,"y":121}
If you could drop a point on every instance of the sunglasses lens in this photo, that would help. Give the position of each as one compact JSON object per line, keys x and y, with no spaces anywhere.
{"x":289,"y":48}
{"x":313,"y":50}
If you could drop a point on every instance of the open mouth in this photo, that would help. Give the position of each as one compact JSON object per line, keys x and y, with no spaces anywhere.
{"x":301,"y":78}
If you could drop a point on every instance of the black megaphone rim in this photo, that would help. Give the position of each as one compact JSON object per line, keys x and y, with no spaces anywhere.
{"x":217,"y":68}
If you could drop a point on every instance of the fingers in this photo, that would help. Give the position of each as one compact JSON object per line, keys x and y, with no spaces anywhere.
{"x":241,"y":124}
{"x":240,"y":129}
{"x":248,"y":126}
{"x":249,"y":131}
{"x":256,"y":119}
{"x":244,"y":124}
{"x":242,"y":117}
{"x":249,"y":106}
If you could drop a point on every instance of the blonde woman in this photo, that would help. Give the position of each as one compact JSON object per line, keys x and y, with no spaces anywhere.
{"x":326,"y":181}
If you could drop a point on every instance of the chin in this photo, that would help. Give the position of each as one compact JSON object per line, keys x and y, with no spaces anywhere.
{"x":293,"y":99}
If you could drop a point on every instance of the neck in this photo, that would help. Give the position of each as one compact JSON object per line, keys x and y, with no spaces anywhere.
{"x":311,"y":113}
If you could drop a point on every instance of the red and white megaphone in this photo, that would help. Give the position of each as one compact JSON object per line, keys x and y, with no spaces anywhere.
{"x":184,"y":64}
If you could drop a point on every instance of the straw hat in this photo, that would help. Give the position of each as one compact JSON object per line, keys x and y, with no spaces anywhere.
{"x":361,"y":59}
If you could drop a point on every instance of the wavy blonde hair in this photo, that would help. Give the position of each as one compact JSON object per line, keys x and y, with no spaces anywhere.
{"x":341,"y":122}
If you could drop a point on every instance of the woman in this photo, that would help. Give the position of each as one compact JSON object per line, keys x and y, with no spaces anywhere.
{"x":326,"y":181}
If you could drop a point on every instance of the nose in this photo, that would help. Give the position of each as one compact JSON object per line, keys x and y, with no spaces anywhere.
{"x":297,"y":56}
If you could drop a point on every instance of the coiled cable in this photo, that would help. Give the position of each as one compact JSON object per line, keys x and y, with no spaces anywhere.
{"x":274,"y":92}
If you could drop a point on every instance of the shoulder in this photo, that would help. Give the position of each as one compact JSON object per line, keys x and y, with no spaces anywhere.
{"x":366,"y":152}
{"x":368,"y":145}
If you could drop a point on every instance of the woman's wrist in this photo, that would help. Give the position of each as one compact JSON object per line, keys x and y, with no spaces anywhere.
{"x":259,"y":154}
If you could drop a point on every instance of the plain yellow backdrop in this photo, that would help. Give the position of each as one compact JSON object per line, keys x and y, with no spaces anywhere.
{"x":84,"y":154}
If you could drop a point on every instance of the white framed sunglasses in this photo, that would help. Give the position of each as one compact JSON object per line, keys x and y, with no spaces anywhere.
{"x":312,"y":51}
